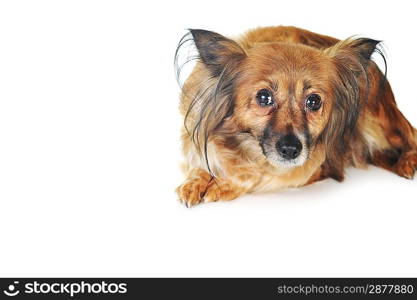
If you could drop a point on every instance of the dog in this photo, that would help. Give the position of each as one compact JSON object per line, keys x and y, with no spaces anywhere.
{"x":284,"y":107}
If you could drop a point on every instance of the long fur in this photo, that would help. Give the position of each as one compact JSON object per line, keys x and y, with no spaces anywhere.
{"x":213,"y":101}
{"x":359,"y":122}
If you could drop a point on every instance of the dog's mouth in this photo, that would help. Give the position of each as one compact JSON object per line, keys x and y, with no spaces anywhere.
{"x":286,"y":151}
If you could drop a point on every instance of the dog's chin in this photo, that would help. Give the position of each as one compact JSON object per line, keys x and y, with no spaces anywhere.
{"x":281,"y":163}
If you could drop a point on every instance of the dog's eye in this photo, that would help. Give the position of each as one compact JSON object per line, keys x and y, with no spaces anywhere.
{"x":264,"y":98}
{"x":313,"y":102}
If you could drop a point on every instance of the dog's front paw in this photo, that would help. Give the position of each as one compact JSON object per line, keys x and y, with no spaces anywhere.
{"x":197,"y":190}
{"x":407,"y":164}
{"x":192,"y":191}
{"x":222,"y":191}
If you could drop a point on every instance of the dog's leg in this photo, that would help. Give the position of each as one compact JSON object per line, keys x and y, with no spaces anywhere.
{"x":397,"y":149}
{"x":202,"y":187}
{"x":404,"y":164}
{"x":391,"y":138}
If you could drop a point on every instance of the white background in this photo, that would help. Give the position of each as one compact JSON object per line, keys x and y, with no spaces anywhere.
{"x":90,"y":150}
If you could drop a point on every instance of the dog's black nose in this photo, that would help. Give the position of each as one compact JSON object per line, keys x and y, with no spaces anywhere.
{"x":289,"y":146}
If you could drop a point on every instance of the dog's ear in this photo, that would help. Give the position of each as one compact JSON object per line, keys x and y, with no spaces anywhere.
{"x":359,"y":49}
{"x":350,"y":58}
{"x":216,"y":51}
{"x":365,"y":47}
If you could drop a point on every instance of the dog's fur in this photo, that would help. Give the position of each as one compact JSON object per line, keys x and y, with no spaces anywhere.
{"x":230,"y":141}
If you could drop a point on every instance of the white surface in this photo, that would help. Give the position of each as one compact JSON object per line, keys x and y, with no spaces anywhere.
{"x":89,"y":150}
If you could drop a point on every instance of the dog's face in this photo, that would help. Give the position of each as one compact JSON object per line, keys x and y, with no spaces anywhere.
{"x":288,"y":97}
{"x":283,"y":97}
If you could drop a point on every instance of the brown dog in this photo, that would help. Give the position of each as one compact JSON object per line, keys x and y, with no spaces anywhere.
{"x":284,"y":107}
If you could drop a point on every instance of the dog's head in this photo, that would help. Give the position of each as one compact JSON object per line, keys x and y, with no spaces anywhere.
{"x":288,"y":97}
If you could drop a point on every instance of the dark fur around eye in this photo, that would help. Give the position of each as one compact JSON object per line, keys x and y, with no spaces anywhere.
{"x":264,"y":98}
{"x":313,"y":102}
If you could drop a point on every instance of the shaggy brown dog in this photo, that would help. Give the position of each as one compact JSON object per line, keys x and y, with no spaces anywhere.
{"x":284,"y":107}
